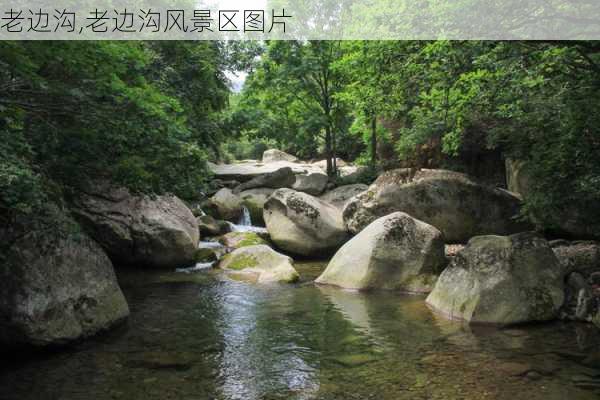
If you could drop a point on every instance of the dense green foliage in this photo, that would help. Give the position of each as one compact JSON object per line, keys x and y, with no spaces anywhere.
{"x":292,"y":97}
{"x":149,"y":114}
{"x":533,"y":101}
{"x":140,"y":114}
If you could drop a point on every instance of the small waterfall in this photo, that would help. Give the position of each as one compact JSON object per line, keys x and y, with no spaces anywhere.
{"x":245,"y":219}
{"x":195,"y":268}
{"x":209,"y":245}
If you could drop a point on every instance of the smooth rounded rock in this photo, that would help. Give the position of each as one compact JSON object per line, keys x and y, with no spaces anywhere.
{"x":227,"y":204}
{"x":394,"y":252}
{"x":262,"y":263}
{"x":304,"y":225}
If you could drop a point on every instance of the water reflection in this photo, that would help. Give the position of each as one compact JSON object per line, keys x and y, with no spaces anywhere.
{"x":204,"y":336}
{"x":262,"y":348}
{"x":352,"y":305}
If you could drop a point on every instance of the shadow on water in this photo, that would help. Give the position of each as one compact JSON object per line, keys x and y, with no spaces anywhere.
{"x":205,"y":336}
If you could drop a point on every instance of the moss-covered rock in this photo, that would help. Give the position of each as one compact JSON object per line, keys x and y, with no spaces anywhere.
{"x":261,"y":263}
{"x":206,"y":255}
{"x":236,"y":240}
{"x":395,"y":252}
{"x":502,"y":280}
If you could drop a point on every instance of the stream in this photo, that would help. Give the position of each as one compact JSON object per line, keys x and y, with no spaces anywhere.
{"x":205,"y":335}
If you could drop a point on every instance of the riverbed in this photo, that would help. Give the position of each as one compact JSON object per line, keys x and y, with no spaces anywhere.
{"x":207,"y":335}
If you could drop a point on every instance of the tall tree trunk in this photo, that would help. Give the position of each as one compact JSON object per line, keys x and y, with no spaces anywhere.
{"x":374,"y":141}
{"x":333,"y":152}
{"x":328,"y":151}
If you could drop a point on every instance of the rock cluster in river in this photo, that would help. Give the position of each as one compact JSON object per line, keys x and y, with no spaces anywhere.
{"x":59,"y":285}
{"x":209,"y":226}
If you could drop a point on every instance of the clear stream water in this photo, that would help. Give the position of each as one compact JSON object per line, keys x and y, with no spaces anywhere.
{"x":206,"y":335}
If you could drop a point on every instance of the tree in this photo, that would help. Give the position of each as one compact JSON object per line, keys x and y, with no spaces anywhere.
{"x":533,"y":101}
{"x":363,"y":66}
{"x":296,"y":82}
{"x":134,"y":113}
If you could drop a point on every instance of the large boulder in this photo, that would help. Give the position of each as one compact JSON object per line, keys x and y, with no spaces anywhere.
{"x":281,"y":178}
{"x":339,"y":196}
{"x":56,"y":285}
{"x":159,"y":232}
{"x":313,"y":183}
{"x":228,"y":205}
{"x":302,"y":224}
{"x":450,"y":201}
{"x":274,"y":155}
{"x":501,"y":280}
{"x":264,"y":264}
{"x":394,"y":252}
{"x":254,"y":200}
